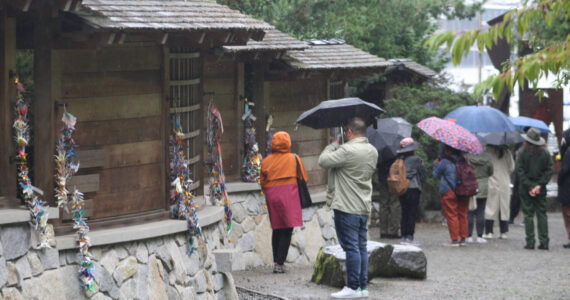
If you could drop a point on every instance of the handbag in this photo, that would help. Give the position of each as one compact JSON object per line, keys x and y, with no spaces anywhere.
{"x":304,"y":195}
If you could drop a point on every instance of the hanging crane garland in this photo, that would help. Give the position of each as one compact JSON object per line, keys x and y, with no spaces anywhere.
{"x":215,"y":166}
{"x":32,"y":195}
{"x":251,"y":166}
{"x":181,"y":182}
{"x":67,"y":165}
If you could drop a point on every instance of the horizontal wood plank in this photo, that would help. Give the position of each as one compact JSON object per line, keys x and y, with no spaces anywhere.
{"x":184,"y":55}
{"x":100,"y":133}
{"x":132,"y":154}
{"x":127,"y":202}
{"x":92,"y":158}
{"x":110,"y":59}
{"x":84,"y":183}
{"x":176,"y":110}
{"x":78,"y":85}
{"x":184,"y":82}
{"x":115,"y":107}
{"x":130,"y":178}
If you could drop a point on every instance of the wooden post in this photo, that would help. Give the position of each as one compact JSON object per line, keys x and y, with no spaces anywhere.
{"x":43,"y":108}
{"x":8,"y":172}
{"x":259,"y":110}
{"x":239,"y":94}
{"x":165,"y":124}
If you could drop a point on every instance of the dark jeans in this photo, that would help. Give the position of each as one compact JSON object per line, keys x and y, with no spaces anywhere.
{"x":515,"y":203}
{"x":479,"y":213}
{"x":503,"y":225}
{"x":280,"y":241}
{"x":409,"y":202}
{"x":351,"y":232}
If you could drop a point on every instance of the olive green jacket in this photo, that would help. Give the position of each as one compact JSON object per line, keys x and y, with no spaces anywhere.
{"x":534,"y":170}
{"x":351,"y":165}
{"x":483,"y":170}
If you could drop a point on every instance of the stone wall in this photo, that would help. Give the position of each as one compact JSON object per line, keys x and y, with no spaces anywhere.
{"x":157,"y":268}
{"x":251,"y":235}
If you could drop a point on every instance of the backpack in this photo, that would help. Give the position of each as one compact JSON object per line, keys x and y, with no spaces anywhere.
{"x":467,"y":185}
{"x":397,"y":180}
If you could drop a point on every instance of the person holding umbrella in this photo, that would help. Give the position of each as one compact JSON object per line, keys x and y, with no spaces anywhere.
{"x":351,"y":165}
{"x":410,"y":200}
{"x":564,"y":183}
{"x":534,"y":167}
{"x":483,"y":170}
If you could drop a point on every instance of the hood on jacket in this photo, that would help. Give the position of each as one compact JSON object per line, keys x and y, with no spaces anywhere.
{"x":281,"y":142}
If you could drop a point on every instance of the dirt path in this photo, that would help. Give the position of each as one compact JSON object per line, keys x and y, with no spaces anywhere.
{"x":500,"y":269}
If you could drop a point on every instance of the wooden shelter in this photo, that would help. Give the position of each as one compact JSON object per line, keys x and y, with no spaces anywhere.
{"x":123,"y":68}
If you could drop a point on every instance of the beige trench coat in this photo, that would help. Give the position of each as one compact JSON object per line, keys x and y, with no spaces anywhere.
{"x":499,"y":196}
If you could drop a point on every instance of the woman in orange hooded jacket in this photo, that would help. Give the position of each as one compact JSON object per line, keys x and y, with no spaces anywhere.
{"x":279,"y":183}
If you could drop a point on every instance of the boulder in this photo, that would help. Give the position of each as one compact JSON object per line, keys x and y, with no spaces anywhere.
{"x":384,"y":260}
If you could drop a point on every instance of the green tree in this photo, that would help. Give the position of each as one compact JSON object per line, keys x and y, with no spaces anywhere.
{"x":387,"y":28}
{"x":415,"y":103}
{"x":541,"y":25}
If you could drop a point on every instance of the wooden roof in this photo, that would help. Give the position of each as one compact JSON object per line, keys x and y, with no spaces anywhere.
{"x":166,"y":15}
{"x":274,"y":40}
{"x":332,"y":54}
{"x":411,"y":66}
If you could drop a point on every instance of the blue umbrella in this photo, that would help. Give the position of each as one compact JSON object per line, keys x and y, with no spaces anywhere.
{"x":481,"y":119}
{"x":524,"y":122}
{"x":489,"y":123}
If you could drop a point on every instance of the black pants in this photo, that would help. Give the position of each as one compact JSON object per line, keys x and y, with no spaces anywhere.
{"x":409,"y":202}
{"x":503,"y":225}
{"x":479,"y":213}
{"x":280,"y":241}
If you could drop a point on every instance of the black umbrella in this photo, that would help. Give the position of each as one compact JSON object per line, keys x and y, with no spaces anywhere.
{"x":335,"y":113}
{"x":387,"y":136}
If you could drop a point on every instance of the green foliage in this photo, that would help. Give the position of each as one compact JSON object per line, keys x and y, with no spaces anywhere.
{"x":386,"y":28}
{"x":542,"y":25}
{"x":417,"y":103}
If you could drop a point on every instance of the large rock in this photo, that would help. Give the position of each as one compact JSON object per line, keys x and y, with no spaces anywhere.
{"x":384,"y":260}
{"x":156,"y":285}
{"x":49,"y":258}
{"x":406,"y":261}
{"x":11,"y":294}
{"x":105,"y":281}
{"x":263,"y":234}
{"x":125,"y":270}
{"x":3,"y":272}
{"x":50,"y":285}
{"x":15,"y":241}
{"x":35,"y":263}
{"x":23,"y":267}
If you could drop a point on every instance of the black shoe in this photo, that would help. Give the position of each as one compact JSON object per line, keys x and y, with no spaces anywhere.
{"x":543,"y":247}
{"x":567,"y":246}
{"x":529,"y":247}
{"x":389,"y":236}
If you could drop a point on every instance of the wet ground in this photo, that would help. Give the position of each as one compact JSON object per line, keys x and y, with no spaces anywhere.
{"x":500,"y":269}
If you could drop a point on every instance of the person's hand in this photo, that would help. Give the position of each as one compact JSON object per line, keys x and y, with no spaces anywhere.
{"x":534,"y":191}
{"x":437,"y":161}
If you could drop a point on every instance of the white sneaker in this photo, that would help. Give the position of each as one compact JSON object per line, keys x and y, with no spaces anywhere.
{"x":503,"y":236}
{"x":469,"y":240}
{"x":481,"y":240}
{"x":488,"y":236}
{"x":363,"y":293}
{"x":346,"y":293}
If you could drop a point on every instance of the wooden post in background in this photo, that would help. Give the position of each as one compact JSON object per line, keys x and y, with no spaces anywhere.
{"x":44,"y":104}
{"x":8,"y":172}
{"x":259,"y":109}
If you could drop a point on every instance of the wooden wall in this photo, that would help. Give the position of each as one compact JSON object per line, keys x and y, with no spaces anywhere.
{"x":220,"y":76}
{"x":116,"y":95}
{"x":287,"y":100}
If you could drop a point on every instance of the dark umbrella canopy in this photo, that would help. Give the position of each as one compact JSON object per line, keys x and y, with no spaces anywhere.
{"x":481,"y":119}
{"x":501,"y":138}
{"x":387,"y":135}
{"x":335,"y":113}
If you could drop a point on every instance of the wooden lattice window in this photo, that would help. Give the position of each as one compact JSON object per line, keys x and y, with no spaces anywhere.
{"x":185,"y":71}
{"x":336,"y":89}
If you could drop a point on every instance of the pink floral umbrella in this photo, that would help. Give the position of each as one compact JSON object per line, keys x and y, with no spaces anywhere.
{"x":451,"y":134}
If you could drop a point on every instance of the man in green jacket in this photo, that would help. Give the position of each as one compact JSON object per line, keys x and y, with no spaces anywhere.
{"x":351,"y":165}
{"x":534,"y":167}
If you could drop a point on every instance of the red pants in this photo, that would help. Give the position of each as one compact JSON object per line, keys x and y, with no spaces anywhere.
{"x":455,"y":210}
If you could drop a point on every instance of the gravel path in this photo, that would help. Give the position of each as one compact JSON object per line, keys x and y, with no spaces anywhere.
{"x":500,"y":269}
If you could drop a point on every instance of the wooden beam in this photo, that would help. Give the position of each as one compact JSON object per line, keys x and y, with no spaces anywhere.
{"x":259,"y":109}
{"x":8,"y":172}
{"x":43,"y":109}
{"x":122,"y":38}
{"x":165,"y":124}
